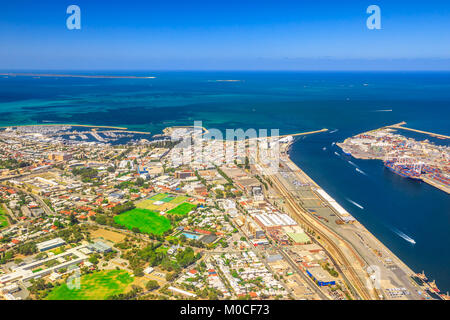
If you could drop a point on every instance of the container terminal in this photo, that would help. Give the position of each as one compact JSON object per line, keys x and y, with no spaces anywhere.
{"x":411,"y":159}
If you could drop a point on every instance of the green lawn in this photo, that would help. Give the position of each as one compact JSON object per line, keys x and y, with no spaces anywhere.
{"x":3,"y":218}
{"x":95,"y":286}
{"x":159,"y":196}
{"x":146,"y":221}
{"x":182,"y":209}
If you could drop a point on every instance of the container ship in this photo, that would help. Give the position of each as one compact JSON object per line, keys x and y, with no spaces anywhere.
{"x":430,"y":287}
{"x":442,"y":179}
{"x":403,"y":170}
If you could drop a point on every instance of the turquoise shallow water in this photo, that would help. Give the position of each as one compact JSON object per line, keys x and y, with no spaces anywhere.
{"x":292,"y":102}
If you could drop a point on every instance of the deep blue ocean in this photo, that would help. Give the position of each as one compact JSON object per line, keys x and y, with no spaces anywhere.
{"x":292,"y":102}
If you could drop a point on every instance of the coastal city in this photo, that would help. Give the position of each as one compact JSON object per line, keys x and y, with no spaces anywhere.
{"x":104,"y":213}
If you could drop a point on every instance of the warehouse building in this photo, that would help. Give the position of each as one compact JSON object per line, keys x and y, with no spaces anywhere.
{"x":273,"y":221}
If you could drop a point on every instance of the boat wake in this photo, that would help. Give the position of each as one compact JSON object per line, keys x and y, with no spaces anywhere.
{"x":333,"y":143}
{"x":386,"y":110}
{"x":324,"y":148}
{"x":353,"y":164}
{"x":404,"y":236}
{"x":360,"y":171}
{"x":355,"y":203}
{"x":336,"y":153}
{"x":335,"y":130}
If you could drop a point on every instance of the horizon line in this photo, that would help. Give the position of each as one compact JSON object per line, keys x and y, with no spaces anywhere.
{"x":18,"y":71}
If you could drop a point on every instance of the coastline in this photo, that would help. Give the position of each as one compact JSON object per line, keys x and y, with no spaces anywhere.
{"x":121,"y":129}
{"x":71,"y":76}
{"x":359,"y":226}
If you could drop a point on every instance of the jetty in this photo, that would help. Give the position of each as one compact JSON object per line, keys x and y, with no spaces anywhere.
{"x":400,"y":125}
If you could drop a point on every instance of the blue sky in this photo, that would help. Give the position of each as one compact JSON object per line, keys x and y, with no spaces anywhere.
{"x":232,"y":35}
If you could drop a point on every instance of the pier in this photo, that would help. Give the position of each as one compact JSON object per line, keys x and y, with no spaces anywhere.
{"x":293,"y":134}
{"x":303,"y":133}
{"x":400,"y":125}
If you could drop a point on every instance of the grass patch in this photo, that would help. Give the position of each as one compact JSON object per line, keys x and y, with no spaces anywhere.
{"x":148,"y":205}
{"x":162,"y":249}
{"x":3,"y":219}
{"x":145,"y":220}
{"x":95,"y":286}
{"x":182,"y":209}
{"x":58,"y":250}
{"x":179,"y":200}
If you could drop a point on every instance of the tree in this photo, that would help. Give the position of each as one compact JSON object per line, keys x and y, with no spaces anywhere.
{"x":152,"y":285}
{"x":219,"y":194}
{"x":171,"y":276}
{"x":94,"y":259}
{"x":139,"y":182}
{"x":73,"y":220}
{"x":123,"y":207}
{"x":27,"y":249}
{"x":138,"y":272}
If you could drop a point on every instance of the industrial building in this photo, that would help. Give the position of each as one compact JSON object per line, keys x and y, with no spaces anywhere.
{"x":50,"y":244}
{"x":320,"y":276}
{"x":273,"y":221}
{"x":31,"y":270}
{"x":60,"y":156}
{"x":100,"y":247}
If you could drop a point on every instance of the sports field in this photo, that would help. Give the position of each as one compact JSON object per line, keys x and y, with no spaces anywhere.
{"x":163,"y":202}
{"x":146,"y":221}
{"x":3,"y":218}
{"x":159,"y":196}
{"x":95,"y":286}
{"x":182,"y":209}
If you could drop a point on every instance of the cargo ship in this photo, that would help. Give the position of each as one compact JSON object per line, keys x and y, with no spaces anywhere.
{"x":403,"y":170}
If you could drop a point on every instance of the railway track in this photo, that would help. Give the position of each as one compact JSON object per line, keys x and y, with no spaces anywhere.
{"x":333,"y":249}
